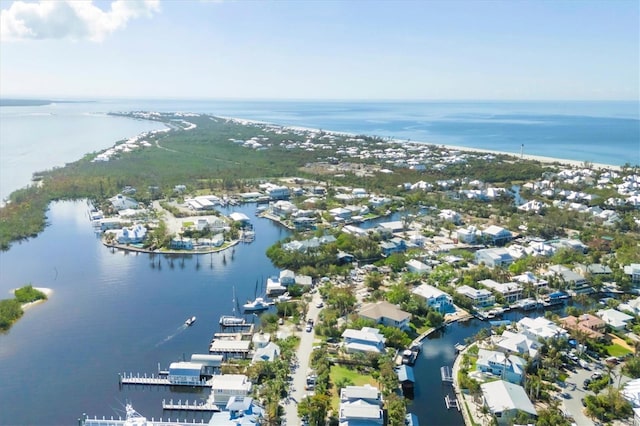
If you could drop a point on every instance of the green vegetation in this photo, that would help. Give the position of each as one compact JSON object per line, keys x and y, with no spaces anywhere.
{"x":617,"y":350}
{"x":11,"y":309}
{"x":632,"y":367}
{"x":608,"y":406}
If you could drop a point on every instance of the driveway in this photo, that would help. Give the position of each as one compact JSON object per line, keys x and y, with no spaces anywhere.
{"x":296,"y":391}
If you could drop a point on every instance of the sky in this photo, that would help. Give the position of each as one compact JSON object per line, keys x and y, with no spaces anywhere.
{"x":317,"y":49}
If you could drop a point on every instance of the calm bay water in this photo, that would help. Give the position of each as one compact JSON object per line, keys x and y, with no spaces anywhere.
{"x":113,"y":312}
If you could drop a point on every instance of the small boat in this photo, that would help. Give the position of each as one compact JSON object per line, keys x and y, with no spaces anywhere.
{"x":259,"y":304}
{"x":190,"y":321}
{"x":283,"y":297}
{"x":230,"y":321}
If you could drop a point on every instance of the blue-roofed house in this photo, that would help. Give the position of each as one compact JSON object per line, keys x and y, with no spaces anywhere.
{"x":239,"y":411}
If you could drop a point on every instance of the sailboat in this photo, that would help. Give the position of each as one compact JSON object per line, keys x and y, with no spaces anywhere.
{"x":232,"y":320}
{"x":257,"y":305}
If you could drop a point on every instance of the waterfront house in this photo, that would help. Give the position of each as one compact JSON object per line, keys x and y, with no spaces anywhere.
{"x":478,"y":297}
{"x":540,"y":328}
{"x":226,"y":386}
{"x":239,"y":411}
{"x":510,"y":342}
{"x":506,"y":400}
{"x":269,"y":353}
{"x":276,"y":192}
{"x":134,"y":235}
{"x":122,"y":202}
{"x":435,"y":298}
{"x":181,"y":243}
{"x":367,"y":339}
{"x":230,"y":348}
{"x":593,"y":326}
{"x":360,"y":406}
{"x":614,"y":318}
{"x":385,"y":313}
{"x":508,"y":367}
{"x":577,"y":284}
{"x":512,"y":292}
{"x":407,"y":380}
{"x":493,"y":257}
{"x":632,"y":306}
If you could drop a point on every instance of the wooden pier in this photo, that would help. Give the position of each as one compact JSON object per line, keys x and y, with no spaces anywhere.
{"x":186,"y":406}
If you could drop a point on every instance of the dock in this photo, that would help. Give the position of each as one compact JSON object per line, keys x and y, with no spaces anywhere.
{"x":445,"y":373}
{"x":186,"y":406}
{"x":451,"y":403}
{"x":130,"y":379}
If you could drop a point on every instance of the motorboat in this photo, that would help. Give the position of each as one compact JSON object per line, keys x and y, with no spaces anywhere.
{"x":230,"y":320}
{"x":283,"y":297}
{"x":259,"y":304}
{"x":190,"y":321}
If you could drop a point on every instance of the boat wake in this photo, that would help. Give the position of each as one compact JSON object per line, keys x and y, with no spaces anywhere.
{"x":180,"y":329}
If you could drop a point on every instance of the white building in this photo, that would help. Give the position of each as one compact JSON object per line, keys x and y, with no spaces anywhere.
{"x":367,"y":339}
{"x":512,"y":292}
{"x":615,"y":319}
{"x":540,"y":328}
{"x":493,"y":257}
{"x":225,"y":386}
{"x":478,"y":297}
{"x":360,"y":406}
{"x":435,"y":298}
{"x":505,"y":400}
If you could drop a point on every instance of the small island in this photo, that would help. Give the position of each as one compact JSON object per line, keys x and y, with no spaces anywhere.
{"x":12,"y":309}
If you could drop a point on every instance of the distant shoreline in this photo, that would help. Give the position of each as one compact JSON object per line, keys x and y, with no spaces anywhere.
{"x":34,"y":102}
{"x":46,"y":290}
{"x":529,"y":157}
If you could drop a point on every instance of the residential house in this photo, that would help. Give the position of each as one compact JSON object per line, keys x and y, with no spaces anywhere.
{"x":239,"y":411}
{"x":122,"y":202}
{"x":577,"y":284}
{"x":283,"y":208}
{"x":509,"y":367}
{"x":367,"y":339}
{"x":415,"y":266}
{"x":614,"y":318}
{"x":540,"y":328}
{"x":276,"y":192}
{"x":360,"y":406}
{"x":435,"y":298}
{"x":591,"y":325}
{"x":181,"y":243}
{"x":478,"y":297}
{"x":269,"y":353}
{"x":469,"y":235}
{"x":493,"y":257}
{"x":506,"y":400}
{"x":394,"y":245}
{"x":133,"y":235}
{"x":184,"y":373}
{"x":510,"y":342}
{"x":226,"y":386}
{"x":385,"y":313}
{"x":633,"y":270}
{"x":497,"y":235}
{"x":512,"y":292}
{"x":632,"y":306}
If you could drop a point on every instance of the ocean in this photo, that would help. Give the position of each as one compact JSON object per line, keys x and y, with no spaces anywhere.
{"x":38,"y":138}
{"x":113,"y":312}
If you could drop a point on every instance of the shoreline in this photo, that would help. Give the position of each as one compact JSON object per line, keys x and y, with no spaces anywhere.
{"x":516,"y":156}
{"x":47,"y":292}
{"x":171,"y":252}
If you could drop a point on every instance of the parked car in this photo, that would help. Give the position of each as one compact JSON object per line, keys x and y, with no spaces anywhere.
{"x":319,"y":305}
{"x":309,"y":327}
{"x":586,"y":383}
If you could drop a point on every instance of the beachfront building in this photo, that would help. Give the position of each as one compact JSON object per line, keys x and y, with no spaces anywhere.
{"x":134,"y":235}
{"x":360,"y":406}
{"x":226,"y":386}
{"x":435,"y":298}
{"x":512,"y":292}
{"x":367,"y":339}
{"x":508,"y":367}
{"x":480,"y":298}
{"x":506,"y":400}
{"x":181,"y":243}
{"x":493,"y":257}
{"x":385,"y":313}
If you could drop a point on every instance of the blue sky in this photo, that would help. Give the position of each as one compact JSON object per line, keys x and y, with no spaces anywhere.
{"x":321,"y":49}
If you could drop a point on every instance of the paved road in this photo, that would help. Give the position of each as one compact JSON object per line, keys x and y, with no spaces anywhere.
{"x":297,"y":391}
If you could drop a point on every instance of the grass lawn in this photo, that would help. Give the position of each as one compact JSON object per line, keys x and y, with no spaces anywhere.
{"x":617,"y":350}
{"x":338,"y":372}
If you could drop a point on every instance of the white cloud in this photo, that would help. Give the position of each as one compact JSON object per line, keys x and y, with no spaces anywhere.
{"x":70,"y":19}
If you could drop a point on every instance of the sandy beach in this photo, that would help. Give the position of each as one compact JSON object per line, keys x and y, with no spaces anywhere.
{"x":47,"y":291}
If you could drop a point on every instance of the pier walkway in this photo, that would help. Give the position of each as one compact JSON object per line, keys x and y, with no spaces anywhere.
{"x":130,"y":379}
{"x":186,"y":406}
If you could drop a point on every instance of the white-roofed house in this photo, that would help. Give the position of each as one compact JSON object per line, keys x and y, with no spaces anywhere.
{"x":360,"y":406}
{"x":225,"y":386}
{"x":615,"y":319}
{"x":540,"y":328}
{"x":493,"y":257}
{"x":367,"y":339}
{"x":122,"y":202}
{"x":435,"y":298}
{"x":633,"y":270}
{"x":509,"y":367}
{"x":510,"y":342}
{"x":270,"y":352}
{"x":497,"y":235}
{"x":506,"y":400}
{"x":512,"y":292}
{"x":478,"y":297}
{"x":414,"y":265}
